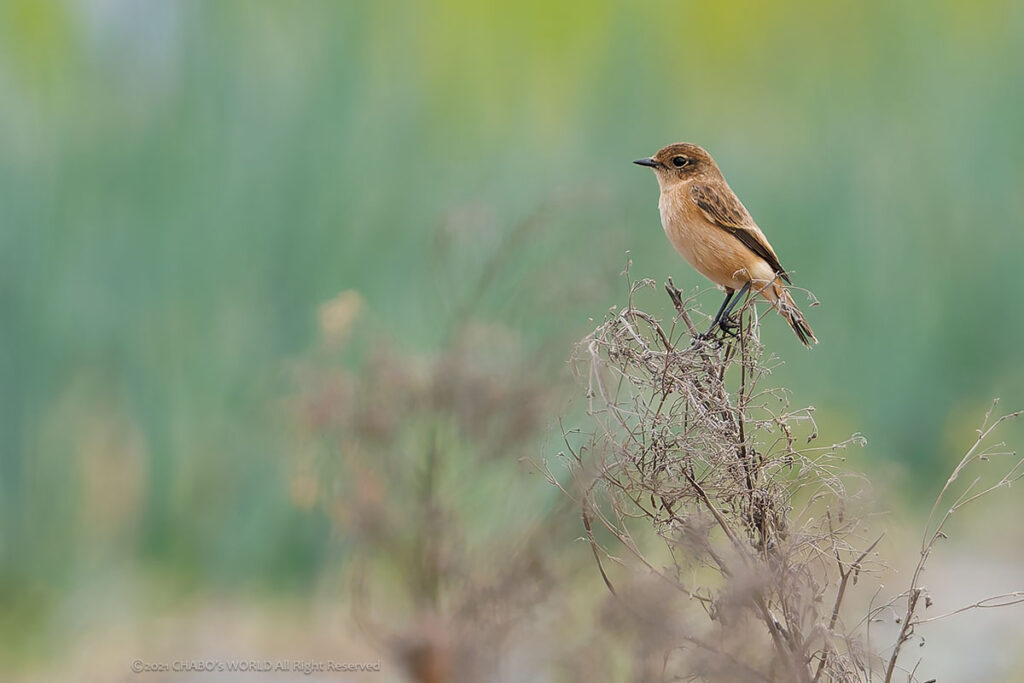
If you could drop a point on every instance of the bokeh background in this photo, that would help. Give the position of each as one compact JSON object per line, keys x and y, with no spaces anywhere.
{"x":287,"y":292}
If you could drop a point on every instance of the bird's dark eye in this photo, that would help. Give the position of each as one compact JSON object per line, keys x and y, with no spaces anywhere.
{"x":679,"y":162}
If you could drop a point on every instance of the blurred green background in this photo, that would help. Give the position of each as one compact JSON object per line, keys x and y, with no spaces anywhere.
{"x":183,"y":185}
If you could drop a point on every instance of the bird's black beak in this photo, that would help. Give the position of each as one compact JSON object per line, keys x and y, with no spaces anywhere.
{"x":647,"y":161}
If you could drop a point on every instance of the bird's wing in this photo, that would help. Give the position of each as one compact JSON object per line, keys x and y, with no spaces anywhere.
{"x":725,"y":210}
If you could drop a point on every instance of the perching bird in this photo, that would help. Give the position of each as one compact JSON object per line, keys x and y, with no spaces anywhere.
{"x":709,"y":226}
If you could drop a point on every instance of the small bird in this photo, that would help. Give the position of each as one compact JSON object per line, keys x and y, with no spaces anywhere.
{"x":713,"y":231}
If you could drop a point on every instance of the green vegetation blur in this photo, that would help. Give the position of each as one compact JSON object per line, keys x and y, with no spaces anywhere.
{"x":183,"y":185}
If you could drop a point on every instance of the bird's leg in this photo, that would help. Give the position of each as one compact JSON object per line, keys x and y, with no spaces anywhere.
{"x":723,"y":315}
{"x":721,"y":309}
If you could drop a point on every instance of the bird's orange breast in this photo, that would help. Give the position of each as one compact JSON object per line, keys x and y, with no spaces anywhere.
{"x":713,"y":252}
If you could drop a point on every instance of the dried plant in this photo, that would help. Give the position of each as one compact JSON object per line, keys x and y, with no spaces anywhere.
{"x":917,"y":595}
{"x":701,"y":475}
{"x":749,"y":538}
{"x":396,"y":453}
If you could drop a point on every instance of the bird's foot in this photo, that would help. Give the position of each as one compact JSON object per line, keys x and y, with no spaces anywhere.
{"x":728,"y":327}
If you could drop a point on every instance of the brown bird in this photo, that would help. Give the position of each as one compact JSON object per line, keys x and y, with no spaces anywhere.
{"x":713,"y":231}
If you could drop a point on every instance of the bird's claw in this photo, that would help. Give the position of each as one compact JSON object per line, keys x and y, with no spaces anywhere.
{"x":729,"y":328}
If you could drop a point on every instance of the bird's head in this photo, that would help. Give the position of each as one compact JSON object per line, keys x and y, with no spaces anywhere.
{"x":679,"y":162}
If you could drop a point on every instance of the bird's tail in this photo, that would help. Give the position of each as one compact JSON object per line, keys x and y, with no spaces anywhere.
{"x":777,"y":293}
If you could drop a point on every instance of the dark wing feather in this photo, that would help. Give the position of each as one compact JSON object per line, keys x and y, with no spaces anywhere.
{"x":725,"y":211}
